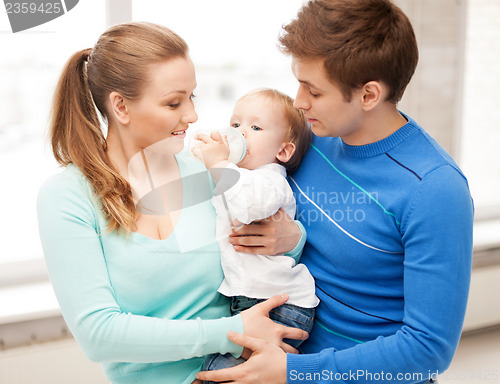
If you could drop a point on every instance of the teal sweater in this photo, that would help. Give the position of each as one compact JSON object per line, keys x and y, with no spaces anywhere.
{"x":148,"y":310}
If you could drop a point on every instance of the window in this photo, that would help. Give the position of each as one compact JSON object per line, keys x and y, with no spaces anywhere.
{"x":480,"y":140}
{"x":233,"y":45}
{"x":30,"y":64}
{"x":234,"y":50}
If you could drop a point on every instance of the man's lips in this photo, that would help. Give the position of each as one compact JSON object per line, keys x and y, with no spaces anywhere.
{"x":311,"y":120}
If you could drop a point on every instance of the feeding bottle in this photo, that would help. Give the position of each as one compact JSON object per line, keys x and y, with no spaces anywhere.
{"x":236,"y":141}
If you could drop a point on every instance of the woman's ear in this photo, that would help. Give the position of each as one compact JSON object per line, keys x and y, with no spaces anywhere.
{"x":119,"y":108}
{"x":286,"y":152}
{"x":372,"y":94}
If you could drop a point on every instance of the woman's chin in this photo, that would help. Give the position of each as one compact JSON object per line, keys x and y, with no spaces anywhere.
{"x":170,"y":145}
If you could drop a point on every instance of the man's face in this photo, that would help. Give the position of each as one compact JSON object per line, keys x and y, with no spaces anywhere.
{"x":323,"y":103}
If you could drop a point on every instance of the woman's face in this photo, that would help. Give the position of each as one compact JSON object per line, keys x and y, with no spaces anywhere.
{"x":165,"y":109}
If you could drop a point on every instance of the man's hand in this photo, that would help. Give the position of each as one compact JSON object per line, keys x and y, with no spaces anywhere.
{"x":267,"y":364}
{"x":277,"y":234}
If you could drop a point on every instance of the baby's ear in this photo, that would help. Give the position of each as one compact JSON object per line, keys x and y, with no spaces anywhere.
{"x":286,"y":152}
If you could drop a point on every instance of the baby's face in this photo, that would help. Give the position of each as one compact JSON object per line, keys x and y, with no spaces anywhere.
{"x":264,"y":126}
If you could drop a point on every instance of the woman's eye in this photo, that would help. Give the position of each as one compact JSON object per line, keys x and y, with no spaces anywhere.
{"x":235,"y":125}
{"x":256,"y":128}
{"x":192,"y":96}
{"x":174,"y":105}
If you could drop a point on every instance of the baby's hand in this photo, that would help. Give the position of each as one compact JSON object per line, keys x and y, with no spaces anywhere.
{"x":212,"y":150}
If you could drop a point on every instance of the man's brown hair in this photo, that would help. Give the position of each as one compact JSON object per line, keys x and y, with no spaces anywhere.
{"x":359,"y":41}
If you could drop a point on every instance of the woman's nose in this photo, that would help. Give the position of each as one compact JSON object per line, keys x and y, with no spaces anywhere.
{"x":190,"y":116}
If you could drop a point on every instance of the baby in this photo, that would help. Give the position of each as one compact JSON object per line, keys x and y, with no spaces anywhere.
{"x":277,"y":135}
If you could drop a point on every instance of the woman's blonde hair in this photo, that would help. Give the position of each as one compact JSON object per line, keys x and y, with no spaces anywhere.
{"x":298,"y":132}
{"x":120,"y":62}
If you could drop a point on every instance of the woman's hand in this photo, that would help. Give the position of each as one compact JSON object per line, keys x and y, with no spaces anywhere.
{"x":277,"y":234}
{"x":256,"y":323}
{"x":267,"y":364}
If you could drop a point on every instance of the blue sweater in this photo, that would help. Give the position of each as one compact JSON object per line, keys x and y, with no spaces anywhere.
{"x":389,"y":244}
{"x":147,"y":309}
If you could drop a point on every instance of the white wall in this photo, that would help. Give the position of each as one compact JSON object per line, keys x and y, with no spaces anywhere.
{"x":60,"y":362}
{"x":434,"y":95}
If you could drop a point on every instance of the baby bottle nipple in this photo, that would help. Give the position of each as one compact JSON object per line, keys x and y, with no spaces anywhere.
{"x":237,"y":144}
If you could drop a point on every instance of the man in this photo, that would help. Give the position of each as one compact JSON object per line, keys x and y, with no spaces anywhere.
{"x":388,"y":213}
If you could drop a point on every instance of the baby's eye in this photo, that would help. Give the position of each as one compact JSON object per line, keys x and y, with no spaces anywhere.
{"x":256,"y":128}
{"x":235,"y":125}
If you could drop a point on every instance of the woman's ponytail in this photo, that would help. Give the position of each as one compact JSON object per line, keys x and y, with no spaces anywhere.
{"x":73,"y":117}
{"x":77,"y":138}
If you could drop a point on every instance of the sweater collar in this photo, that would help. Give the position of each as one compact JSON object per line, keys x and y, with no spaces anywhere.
{"x":384,"y":145}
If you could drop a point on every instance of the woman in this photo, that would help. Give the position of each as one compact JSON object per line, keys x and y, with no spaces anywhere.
{"x":138,"y":291}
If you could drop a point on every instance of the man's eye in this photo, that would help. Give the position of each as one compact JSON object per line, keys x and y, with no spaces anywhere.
{"x":314,"y":94}
{"x":256,"y":128}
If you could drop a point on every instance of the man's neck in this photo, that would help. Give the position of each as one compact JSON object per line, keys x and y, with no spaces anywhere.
{"x":378,"y":124}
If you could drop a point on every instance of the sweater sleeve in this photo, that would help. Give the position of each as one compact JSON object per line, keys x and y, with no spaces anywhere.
{"x":437,"y":237}
{"x":70,"y":237}
{"x":296,"y":253}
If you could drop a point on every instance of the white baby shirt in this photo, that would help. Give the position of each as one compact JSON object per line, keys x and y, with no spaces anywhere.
{"x":258,"y":194}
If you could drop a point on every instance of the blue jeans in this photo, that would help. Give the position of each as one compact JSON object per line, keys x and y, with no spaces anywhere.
{"x":287,"y":314}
